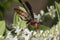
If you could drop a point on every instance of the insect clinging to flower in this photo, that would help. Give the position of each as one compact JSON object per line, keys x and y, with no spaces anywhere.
{"x":28,"y":17}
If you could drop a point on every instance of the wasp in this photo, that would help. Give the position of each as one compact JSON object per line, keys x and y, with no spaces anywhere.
{"x":29,"y":18}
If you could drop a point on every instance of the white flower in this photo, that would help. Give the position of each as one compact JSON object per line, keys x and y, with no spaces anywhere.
{"x":33,"y":38}
{"x":34,"y":33}
{"x":26,"y":31}
{"x":27,"y":34}
{"x":51,"y":7}
{"x":41,"y":12}
{"x":9,"y":36}
{"x":52,"y":11}
{"x":18,"y":30}
{"x":47,"y":31}
{"x":1,"y":36}
{"x":42,"y":38}
{"x":37,"y":17}
{"x":12,"y":38}
{"x":41,"y":31}
{"x":15,"y":38}
{"x":50,"y":36}
{"x":57,"y":33}
{"x":21,"y":38}
{"x":9,"y":33}
{"x":44,"y":34}
{"x":56,"y":26}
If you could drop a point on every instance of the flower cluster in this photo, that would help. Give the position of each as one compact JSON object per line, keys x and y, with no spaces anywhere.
{"x":26,"y":34}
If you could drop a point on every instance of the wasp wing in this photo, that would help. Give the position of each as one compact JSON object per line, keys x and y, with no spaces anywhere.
{"x":26,"y":6}
{"x":30,"y":9}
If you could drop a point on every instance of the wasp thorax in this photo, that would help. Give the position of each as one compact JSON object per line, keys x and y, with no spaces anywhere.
{"x":34,"y":23}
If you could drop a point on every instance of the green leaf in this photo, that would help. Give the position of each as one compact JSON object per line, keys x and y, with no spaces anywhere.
{"x":30,"y":27}
{"x":22,"y":23}
{"x":2,"y":27}
{"x":58,"y":9}
{"x":43,"y":27}
{"x":58,"y":25}
{"x":15,"y":19}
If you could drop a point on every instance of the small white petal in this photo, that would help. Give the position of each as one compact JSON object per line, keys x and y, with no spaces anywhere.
{"x":41,"y":31}
{"x":34,"y":33}
{"x":42,"y":12}
{"x":51,"y":7}
{"x":26,"y":31}
{"x":15,"y":38}
{"x":50,"y":36}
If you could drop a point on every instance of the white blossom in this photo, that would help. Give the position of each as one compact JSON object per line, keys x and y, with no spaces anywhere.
{"x":42,"y":38}
{"x":50,"y":36}
{"x":2,"y":37}
{"x":18,"y":30}
{"x":37,"y":17}
{"x":27,"y":34}
{"x":34,"y":33}
{"x":33,"y":38}
{"x":51,"y":7}
{"x":15,"y":38}
{"x":9,"y":36}
{"x":41,"y":31}
{"x":41,"y":12}
{"x":21,"y":38}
